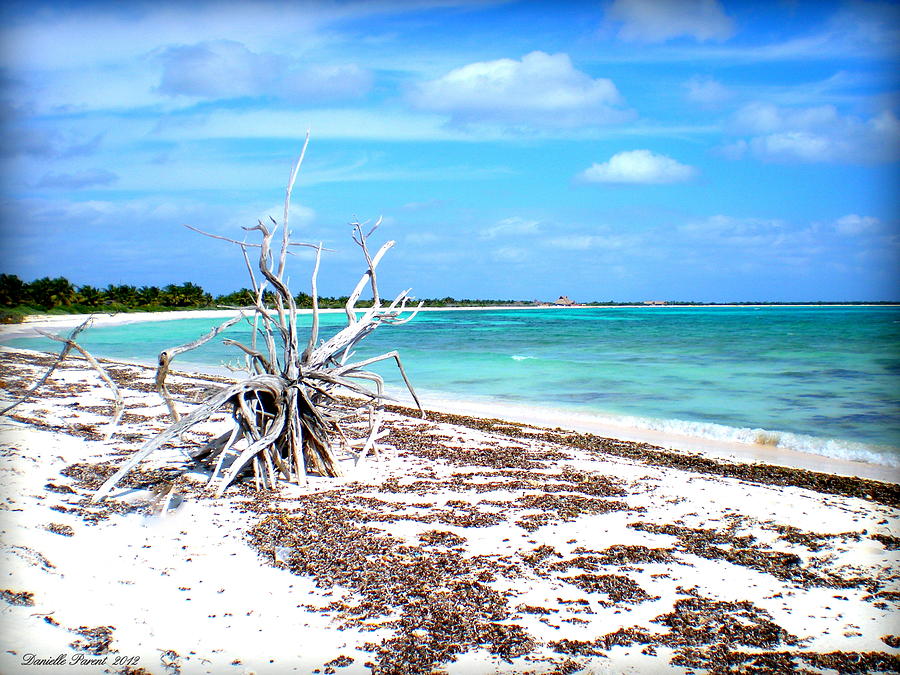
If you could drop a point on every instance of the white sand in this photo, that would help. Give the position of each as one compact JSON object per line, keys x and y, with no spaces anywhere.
{"x":189,"y":581}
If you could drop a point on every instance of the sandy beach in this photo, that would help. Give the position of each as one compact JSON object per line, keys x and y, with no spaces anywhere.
{"x":466,"y":545}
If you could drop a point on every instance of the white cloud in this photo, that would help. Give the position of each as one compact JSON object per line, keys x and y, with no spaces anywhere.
{"x":511,"y":254}
{"x":638,"y":166}
{"x":327,"y":122}
{"x":802,"y":146}
{"x":706,"y":91}
{"x":225,"y":68}
{"x":510,"y":227}
{"x":584,"y":242}
{"x":661,"y":20}
{"x":853,"y":224}
{"x":813,"y":134}
{"x":540,"y":90}
{"x":298,"y":217}
{"x":761,"y":117}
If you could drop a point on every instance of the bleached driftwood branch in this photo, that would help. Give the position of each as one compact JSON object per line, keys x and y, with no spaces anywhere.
{"x":70,"y":344}
{"x":287,"y":421}
{"x":166,"y":356}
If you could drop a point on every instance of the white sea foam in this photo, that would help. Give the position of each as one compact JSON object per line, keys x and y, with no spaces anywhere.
{"x":520,"y":357}
{"x":826,"y":447}
{"x":680,"y":434}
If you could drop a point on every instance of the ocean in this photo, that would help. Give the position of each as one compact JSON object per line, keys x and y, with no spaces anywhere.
{"x":823,"y":380}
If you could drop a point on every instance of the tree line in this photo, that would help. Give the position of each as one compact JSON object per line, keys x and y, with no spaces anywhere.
{"x":19,"y":298}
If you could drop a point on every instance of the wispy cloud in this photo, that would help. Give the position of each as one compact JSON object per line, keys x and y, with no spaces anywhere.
{"x":853,"y":224}
{"x":813,"y":134}
{"x":79,"y":180}
{"x":661,"y":20}
{"x":510,"y":227}
{"x":228,"y":69}
{"x":706,"y":91}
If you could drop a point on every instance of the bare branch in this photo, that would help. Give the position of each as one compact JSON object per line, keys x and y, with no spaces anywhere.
{"x":287,"y":421}
{"x":119,"y":405}
{"x":65,"y":351}
{"x":166,"y":356}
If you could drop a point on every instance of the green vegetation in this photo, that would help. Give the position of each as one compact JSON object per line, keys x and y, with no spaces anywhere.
{"x":18,"y":299}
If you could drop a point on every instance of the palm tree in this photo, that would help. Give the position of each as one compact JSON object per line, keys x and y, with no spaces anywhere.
{"x":149,"y":296}
{"x":50,"y":293}
{"x":89,"y":295}
{"x":12,"y":290}
{"x":122,"y":294}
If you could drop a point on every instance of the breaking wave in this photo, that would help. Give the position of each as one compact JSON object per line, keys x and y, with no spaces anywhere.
{"x":825,"y":447}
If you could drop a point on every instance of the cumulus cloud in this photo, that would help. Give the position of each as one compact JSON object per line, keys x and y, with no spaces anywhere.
{"x":227,"y":69}
{"x":638,"y":166}
{"x":78,"y":180}
{"x":539,"y":90}
{"x":661,"y":20}
{"x":813,"y":134}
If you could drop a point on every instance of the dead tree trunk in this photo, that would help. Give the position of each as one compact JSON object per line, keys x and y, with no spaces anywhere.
{"x":287,"y":423}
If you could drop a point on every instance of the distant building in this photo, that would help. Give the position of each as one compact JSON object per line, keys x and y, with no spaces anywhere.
{"x":655,"y":302}
{"x":564,"y":301}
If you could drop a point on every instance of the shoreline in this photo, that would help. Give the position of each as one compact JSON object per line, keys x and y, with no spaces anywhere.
{"x":464,"y":545}
{"x":710,"y":447}
{"x":548,"y":418}
{"x":72,"y":320}
{"x":545,"y":419}
{"x":529,"y":414}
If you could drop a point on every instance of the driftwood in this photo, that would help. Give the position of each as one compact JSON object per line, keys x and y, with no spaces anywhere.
{"x":166,"y":356}
{"x":70,"y":344}
{"x":46,"y":376}
{"x":287,"y":421}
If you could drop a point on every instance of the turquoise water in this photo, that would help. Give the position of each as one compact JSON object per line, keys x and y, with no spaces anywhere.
{"x":816,"y":379}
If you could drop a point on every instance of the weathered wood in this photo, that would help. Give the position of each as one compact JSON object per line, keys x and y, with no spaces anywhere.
{"x":46,"y":376}
{"x":287,"y":420}
{"x":166,"y":356}
{"x":199,"y":414}
{"x":119,"y":402}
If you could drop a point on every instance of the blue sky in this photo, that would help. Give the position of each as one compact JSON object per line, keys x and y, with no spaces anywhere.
{"x":620,"y":150}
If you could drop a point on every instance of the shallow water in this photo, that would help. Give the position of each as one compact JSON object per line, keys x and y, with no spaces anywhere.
{"x":816,"y":379}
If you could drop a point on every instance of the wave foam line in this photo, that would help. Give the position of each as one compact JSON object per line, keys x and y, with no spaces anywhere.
{"x":826,"y":447}
{"x":532,"y":413}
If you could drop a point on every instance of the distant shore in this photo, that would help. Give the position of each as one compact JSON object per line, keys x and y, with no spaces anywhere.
{"x":118,"y":318}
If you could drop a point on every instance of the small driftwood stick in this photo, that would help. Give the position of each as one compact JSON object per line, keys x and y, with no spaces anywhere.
{"x":119,"y":402}
{"x":65,"y":351}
